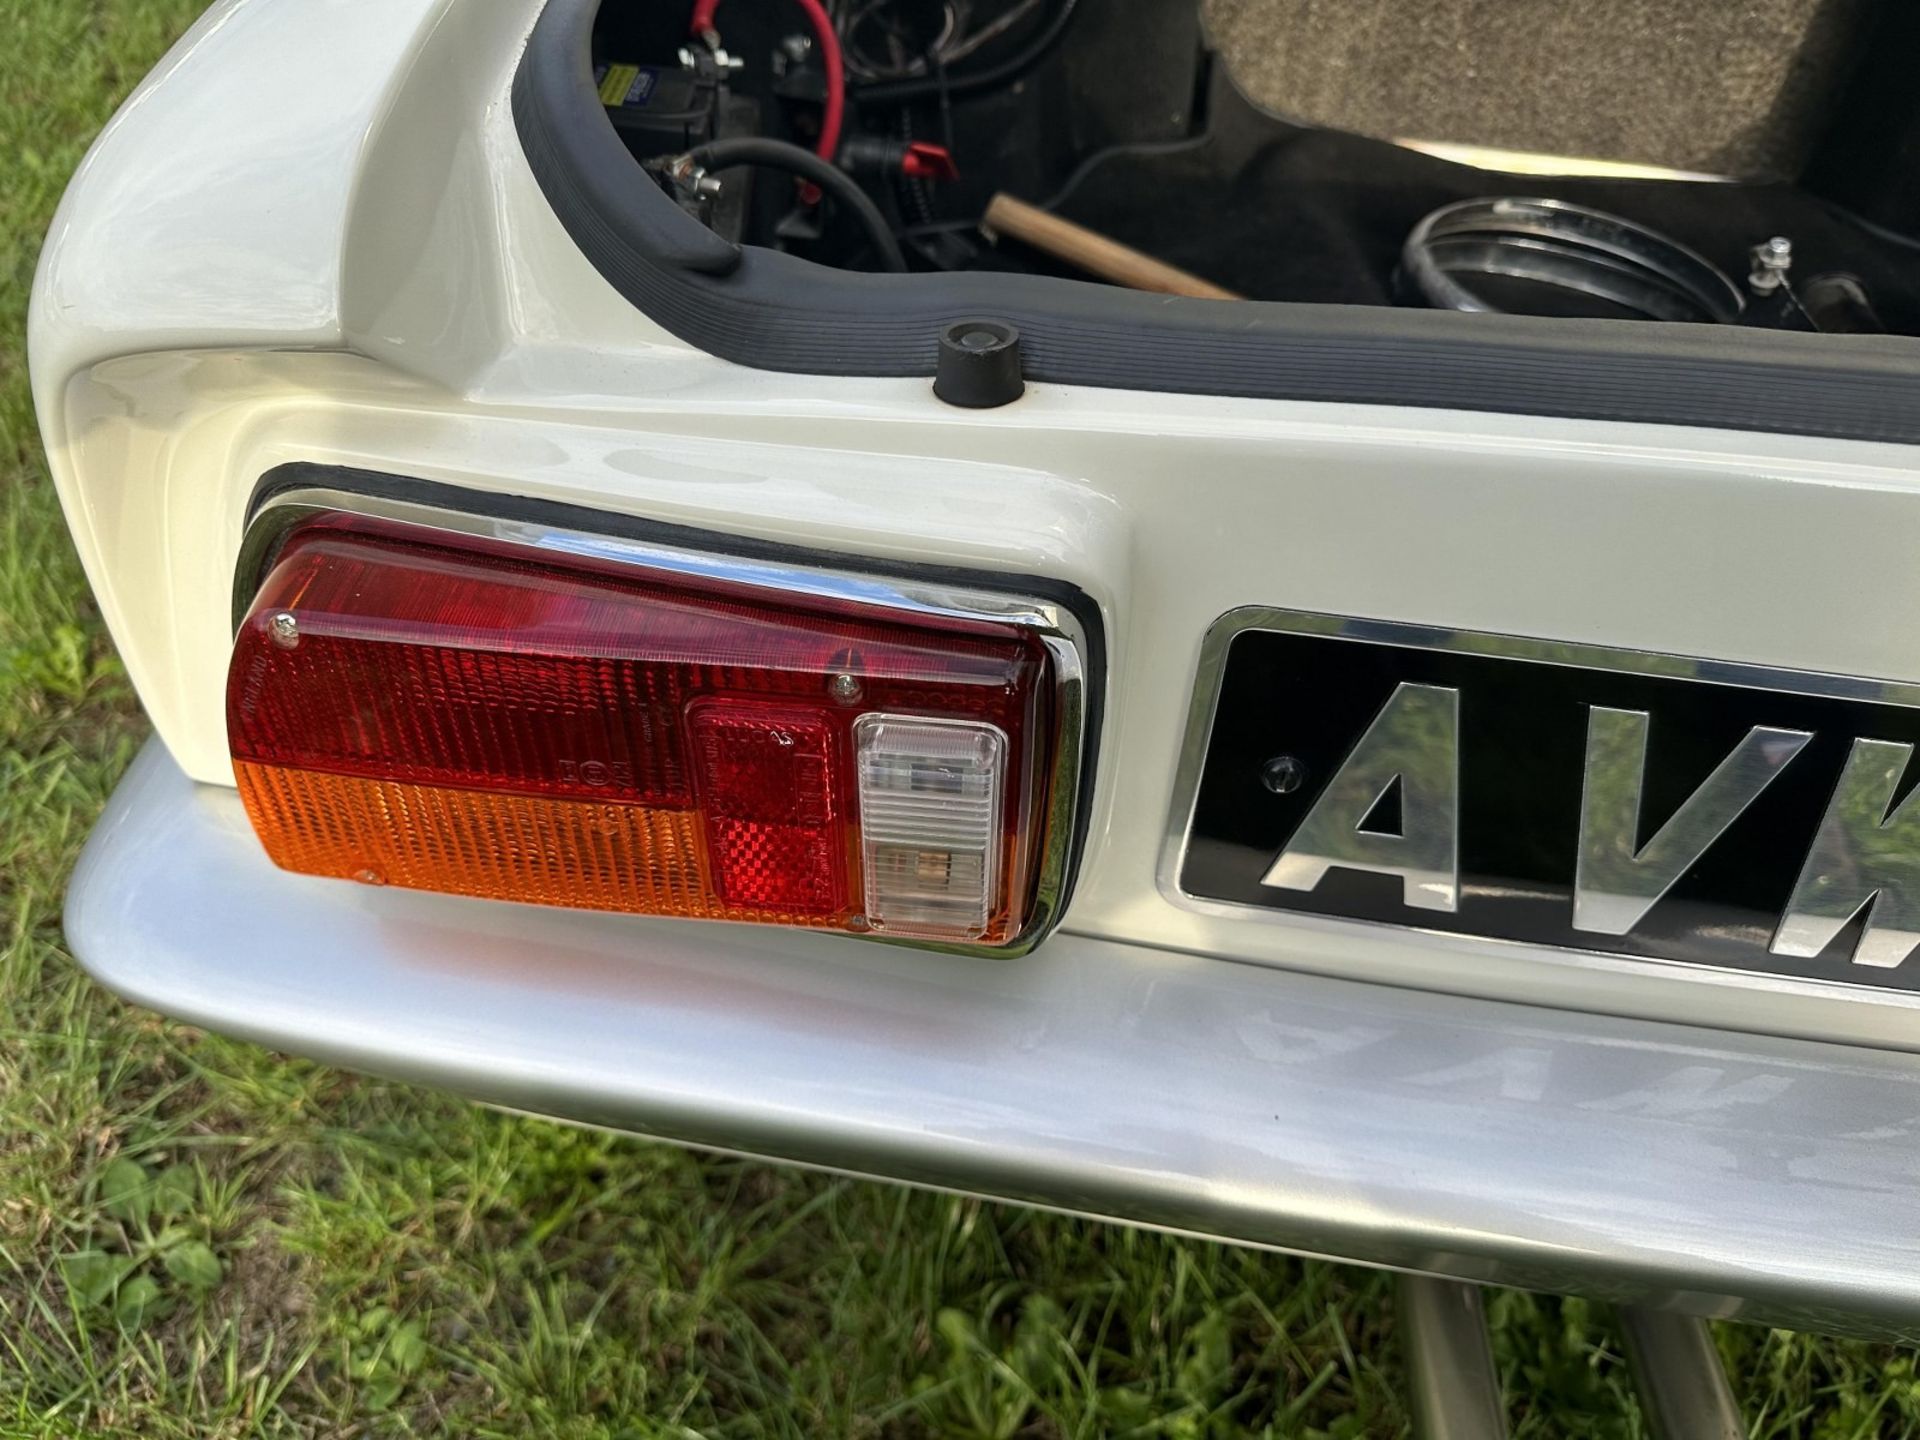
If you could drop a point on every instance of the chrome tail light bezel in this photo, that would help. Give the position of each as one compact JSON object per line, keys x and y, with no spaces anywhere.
{"x":1062,"y":618}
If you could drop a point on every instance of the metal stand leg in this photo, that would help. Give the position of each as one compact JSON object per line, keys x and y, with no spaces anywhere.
{"x":1682,"y":1386}
{"x":1456,"y":1391}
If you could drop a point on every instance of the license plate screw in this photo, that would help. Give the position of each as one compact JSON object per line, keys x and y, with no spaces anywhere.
{"x":1283,"y":774}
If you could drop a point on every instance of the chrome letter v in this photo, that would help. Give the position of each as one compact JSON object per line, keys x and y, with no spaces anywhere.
{"x":1618,"y":880}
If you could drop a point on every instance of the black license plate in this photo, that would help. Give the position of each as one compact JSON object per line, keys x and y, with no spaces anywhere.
{"x":1636,"y":804}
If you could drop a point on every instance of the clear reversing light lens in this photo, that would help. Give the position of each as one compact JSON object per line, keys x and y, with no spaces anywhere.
{"x":408,"y":706}
{"x":930,"y":801}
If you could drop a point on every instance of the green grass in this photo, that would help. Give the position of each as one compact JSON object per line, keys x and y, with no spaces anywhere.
{"x":200,"y":1238}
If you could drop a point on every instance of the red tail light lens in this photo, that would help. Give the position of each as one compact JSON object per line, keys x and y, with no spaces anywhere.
{"x":411,"y":707}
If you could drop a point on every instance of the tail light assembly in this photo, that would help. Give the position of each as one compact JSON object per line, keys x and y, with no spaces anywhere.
{"x":495,"y":707}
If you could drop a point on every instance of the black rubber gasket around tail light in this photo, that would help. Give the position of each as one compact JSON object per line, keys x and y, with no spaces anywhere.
{"x":774,"y":312}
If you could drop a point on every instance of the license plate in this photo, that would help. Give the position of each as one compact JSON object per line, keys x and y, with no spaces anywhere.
{"x":1599,"y":800}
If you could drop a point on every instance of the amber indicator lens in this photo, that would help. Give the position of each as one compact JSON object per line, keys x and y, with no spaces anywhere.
{"x":411,"y":707}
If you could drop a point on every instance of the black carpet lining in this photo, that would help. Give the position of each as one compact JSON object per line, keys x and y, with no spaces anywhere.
{"x":1280,"y":212}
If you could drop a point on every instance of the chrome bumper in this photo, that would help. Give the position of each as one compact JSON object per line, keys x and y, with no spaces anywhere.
{"x":1724,"y":1174}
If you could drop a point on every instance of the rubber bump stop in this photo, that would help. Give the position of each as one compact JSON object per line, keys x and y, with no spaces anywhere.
{"x":979,"y":365}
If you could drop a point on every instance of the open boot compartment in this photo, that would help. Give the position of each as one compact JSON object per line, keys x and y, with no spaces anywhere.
{"x":1398,"y":194}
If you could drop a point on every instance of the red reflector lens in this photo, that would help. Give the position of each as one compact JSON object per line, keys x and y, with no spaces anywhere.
{"x":766,"y":791}
{"x":413,"y":707}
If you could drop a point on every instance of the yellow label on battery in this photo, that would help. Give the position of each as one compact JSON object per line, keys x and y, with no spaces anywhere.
{"x":615,"y":84}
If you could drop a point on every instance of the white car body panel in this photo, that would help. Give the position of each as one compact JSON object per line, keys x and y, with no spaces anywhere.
{"x":346,"y":261}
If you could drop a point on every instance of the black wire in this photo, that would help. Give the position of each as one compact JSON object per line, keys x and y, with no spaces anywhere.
{"x":1129,"y":149}
{"x":779,"y":155}
{"x":861,"y":66}
{"x":912,"y":186}
{"x":918,"y":190}
{"x":895,"y":92}
{"x":943,"y":87}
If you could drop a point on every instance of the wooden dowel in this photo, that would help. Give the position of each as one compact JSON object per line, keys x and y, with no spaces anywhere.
{"x":1094,"y":252}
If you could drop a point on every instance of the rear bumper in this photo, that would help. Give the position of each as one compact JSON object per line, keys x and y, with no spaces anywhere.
{"x":1766,"y":1178}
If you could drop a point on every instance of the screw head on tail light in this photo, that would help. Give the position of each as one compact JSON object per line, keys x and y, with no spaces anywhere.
{"x":598,"y":723}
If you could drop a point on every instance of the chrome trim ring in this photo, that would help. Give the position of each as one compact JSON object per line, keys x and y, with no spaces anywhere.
{"x":1568,"y":247}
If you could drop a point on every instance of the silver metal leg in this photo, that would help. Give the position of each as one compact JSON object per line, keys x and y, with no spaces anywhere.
{"x":1683,"y":1387}
{"x":1455,"y":1389}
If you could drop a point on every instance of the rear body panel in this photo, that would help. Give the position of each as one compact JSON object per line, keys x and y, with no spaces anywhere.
{"x":1492,"y":1108}
{"x":1167,"y":512}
